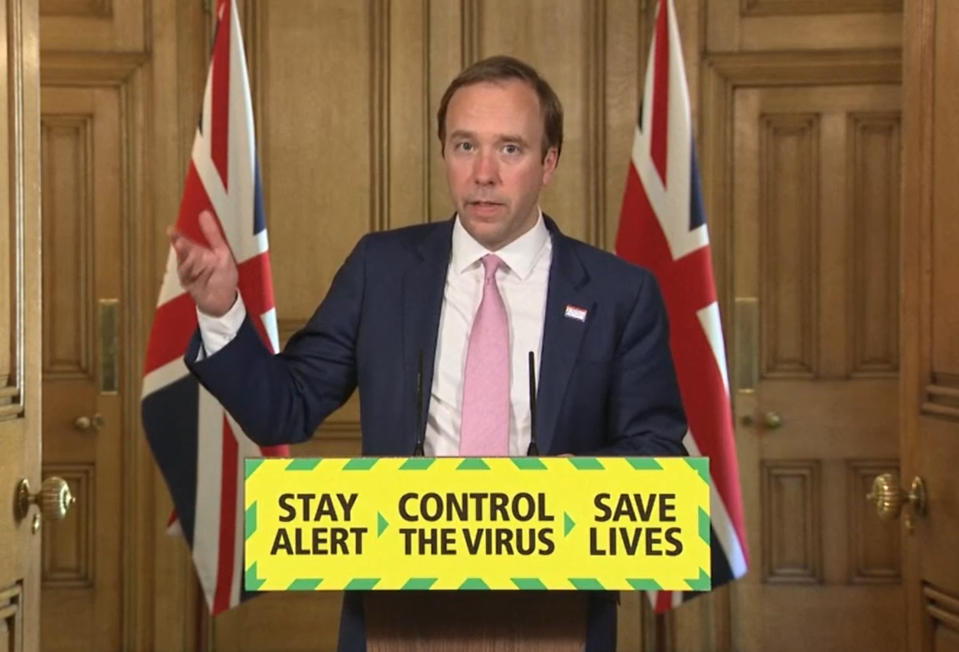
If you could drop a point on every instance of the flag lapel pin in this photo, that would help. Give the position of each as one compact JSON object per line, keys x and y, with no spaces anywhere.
{"x":575,"y":312}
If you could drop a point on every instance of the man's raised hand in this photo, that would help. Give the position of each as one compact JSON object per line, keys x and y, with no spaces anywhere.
{"x":209,"y":274}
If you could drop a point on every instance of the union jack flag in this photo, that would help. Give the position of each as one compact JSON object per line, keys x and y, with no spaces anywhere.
{"x":662,"y":227}
{"x":197,"y":445}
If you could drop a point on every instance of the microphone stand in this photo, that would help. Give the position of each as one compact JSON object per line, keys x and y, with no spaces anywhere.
{"x":419,"y":427}
{"x":533,"y":450}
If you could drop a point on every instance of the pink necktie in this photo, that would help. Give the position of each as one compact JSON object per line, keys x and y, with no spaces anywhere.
{"x":485,"y":419}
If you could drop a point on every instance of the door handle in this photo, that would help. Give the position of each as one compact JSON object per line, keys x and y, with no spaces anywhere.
{"x":770,"y":420}
{"x":87,"y":424}
{"x":54,"y":500}
{"x":890,"y":499}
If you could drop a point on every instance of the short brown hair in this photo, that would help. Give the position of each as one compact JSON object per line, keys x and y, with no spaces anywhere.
{"x":502,"y":68}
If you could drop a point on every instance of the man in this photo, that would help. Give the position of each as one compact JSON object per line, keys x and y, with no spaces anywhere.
{"x":465,"y":300}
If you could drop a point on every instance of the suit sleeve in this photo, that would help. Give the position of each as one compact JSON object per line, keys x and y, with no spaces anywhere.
{"x":282,"y":398}
{"x":645,"y":411}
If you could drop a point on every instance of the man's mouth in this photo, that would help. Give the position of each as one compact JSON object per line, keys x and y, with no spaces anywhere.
{"x":483,"y":203}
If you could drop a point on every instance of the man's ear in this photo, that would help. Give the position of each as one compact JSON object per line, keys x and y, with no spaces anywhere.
{"x":549,"y":164}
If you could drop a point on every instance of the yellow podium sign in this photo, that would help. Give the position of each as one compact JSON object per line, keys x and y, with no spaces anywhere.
{"x":588,"y":523}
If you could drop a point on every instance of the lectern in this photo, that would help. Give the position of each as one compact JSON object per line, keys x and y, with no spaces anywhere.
{"x":477,"y":554}
{"x":476,"y":621}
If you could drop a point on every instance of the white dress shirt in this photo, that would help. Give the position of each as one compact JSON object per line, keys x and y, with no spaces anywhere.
{"x":522,"y":283}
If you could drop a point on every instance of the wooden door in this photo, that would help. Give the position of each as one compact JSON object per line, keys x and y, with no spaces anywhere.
{"x":929,"y":391}
{"x":83,"y":361}
{"x":19,"y":325}
{"x":815,"y":274}
{"x":99,"y":567}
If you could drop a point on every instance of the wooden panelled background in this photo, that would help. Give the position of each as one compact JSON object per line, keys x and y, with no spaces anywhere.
{"x":796,"y":108}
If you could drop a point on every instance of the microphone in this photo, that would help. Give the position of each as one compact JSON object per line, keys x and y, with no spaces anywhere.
{"x":419,"y":430}
{"x":533,"y":450}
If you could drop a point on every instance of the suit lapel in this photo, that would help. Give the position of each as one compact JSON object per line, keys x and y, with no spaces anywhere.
{"x":423,"y":286}
{"x":562,"y":334}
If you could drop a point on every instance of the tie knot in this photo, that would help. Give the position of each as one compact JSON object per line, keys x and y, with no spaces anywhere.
{"x":491,"y":263}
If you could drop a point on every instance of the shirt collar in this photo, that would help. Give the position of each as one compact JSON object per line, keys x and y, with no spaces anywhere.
{"x":520,"y":255}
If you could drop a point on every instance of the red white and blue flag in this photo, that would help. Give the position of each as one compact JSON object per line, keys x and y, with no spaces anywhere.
{"x":662,"y":227}
{"x":198,"y":447}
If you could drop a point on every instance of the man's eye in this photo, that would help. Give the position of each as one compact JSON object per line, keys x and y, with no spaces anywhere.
{"x":511,"y":149}
{"x":464,"y":147}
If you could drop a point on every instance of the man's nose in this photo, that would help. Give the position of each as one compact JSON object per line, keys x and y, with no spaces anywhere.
{"x":485,"y":169}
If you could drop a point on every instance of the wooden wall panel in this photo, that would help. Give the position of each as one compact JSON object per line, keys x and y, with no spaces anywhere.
{"x":801,"y":7}
{"x":789,"y":150}
{"x":11,"y":255}
{"x":316,"y":141}
{"x":9,"y":310}
{"x":96,"y":8}
{"x":94,"y":25}
{"x":626,"y":29}
{"x":791,"y":516}
{"x":874,"y":147}
{"x":68,"y":547}
{"x":402,"y":152}
{"x":802,"y":25}
{"x":945,"y":226}
{"x":68,"y":327}
{"x":874,"y":544}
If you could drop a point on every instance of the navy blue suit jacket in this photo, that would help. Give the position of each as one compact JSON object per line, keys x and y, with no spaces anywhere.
{"x":606,"y":385}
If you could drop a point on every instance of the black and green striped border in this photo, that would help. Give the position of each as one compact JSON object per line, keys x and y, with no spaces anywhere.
{"x":698,"y":464}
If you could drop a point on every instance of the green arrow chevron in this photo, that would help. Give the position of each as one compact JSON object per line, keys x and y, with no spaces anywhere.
{"x":586,"y":463}
{"x":644,"y":464}
{"x":700,"y":465}
{"x":304,"y":584}
{"x":529,"y":464}
{"x":472,"y":464}
{"x":249,"y":526}
{"x":250,"y":465}
{"x":702,"y":583}
{"x":250,"y":581}
{"x":704,"y":526}
{"x":303,"y":464}
{"x":643,"y":584}
{"x":360,"y":464}
{"x":417,"y":464}
{"x":586,"y":583}
{"x":361,"y":584}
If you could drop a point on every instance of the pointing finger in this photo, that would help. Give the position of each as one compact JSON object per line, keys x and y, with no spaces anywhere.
{"x":211,"y":231}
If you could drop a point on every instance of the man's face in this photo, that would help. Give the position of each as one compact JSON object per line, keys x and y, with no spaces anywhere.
{"x":494,"y":159}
